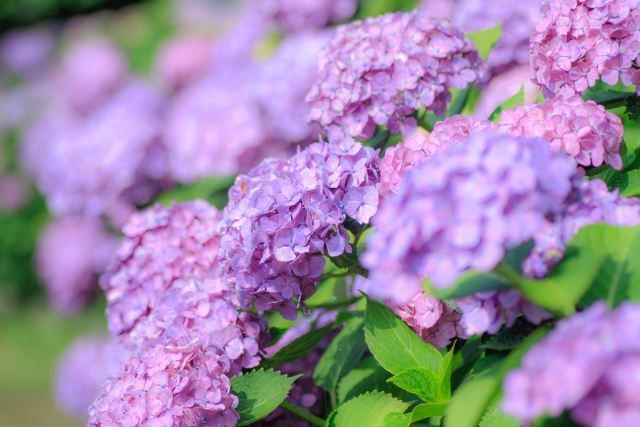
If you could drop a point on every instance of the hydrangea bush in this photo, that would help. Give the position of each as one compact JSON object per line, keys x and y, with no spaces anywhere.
{"x":380,"y":256}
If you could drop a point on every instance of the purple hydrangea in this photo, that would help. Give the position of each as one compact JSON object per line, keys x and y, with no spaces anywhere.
{"x":300,"y":15}
{"x":101,"y":164}
{"x":13,"y":192}
{"x":589,"y":365}
{"x":399,"y":159}
{"x":381,"y":70}
{"x":285,"y":214}
{"x":184,"y":59}
{"x":578,"y":42}
{"x":83,"y":369}
{"x":26,"y":52}
{"x":70,"y":255}
{"x":590,"y":203}
{"x":462,"y":209}
{"x":213,"y":127}
{"x":584,"y":130}
{"x":283,"y":82}
{"x":431,"y":319}
{"x":488,"y":311}
{"x":168,"y":386}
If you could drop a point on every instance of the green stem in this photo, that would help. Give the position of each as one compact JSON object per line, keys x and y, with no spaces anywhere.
{"x":357,"y":238}
{"x":341,"y":303}
{"x":302,"y":414}
{"x":336,"y":275}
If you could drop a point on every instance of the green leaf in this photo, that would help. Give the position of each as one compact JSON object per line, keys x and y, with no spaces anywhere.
{"x":509,"y":104}
{"x":420,"y":381}
{"x":203,"y":189}
{"x":342,"y":355}
{"x":485,"y":40}
{"x":495,"y":418}
{"x":259,"y":393}
{"x":368,"y":376}
{"x":562,"y":421}
{"x":276,"y":334}
{"x":618,"y":279}
{"x":368,"y":410}
{"x":427,"y":410}
{"x":298,"y":348}
{"x":444,"y":392}
{"x":396,"y":419}
{"x":509,"y":338}
{"x":607,"y":98}
{"x":472,"y":399}
{"x":629,"y":183}
{"x":633,"y":108}
{"x":395,"y":346}
{"x":567,"y":282}
{"x":516,"y":256}
{"x":469,"y":284}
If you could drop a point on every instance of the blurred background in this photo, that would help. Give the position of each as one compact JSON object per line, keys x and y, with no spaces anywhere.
{"x":109,"y":106}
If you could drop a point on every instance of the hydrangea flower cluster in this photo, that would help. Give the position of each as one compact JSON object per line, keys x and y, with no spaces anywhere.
{"x":184,"y":59}
{"x":83,"y":369}
{"x":283,"y":82}
{"x":399,"y":159}
{"x":488,"y":311}
{"x":166,"y":386}
{"x":211,"y":126}
{"x":588,"y":365}
{"x":584,"y":130}
{"x":381,"y":70}
{"x":294,"y":15}
{"x":163,"y":285}
{"x":578,"y":42}
{"x":285,"y":214}
{"x":462,"y":209}
{"x":26,"y":52}
{"x":590,"y":203}
{"x":102,"y":164}
{"x":431,"y":319}
{"x":70,"y":255}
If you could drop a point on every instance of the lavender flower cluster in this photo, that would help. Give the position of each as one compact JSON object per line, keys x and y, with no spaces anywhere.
{"x":587,"y":365}
{"x":381,"y":70}
{"x":284,"y":215}
{"x":581,"y":41}
{"x":169,"y":385}
{"x":399,"y":159}
{"x":462,"y":209}
{"x":584,"y":130}
{"x":295,"y":16}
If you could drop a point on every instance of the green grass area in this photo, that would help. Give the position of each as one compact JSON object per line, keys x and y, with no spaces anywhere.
{"x":30,"y":343}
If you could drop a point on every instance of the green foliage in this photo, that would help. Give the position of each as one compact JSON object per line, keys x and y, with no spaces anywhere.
{"x":419,"y":381}
{"x":562,"y":421}
{"x":298,"y":348}
{"x":368,"y":376}
{"x":367,"y":410}
{"x":633,"y":108}
{"x":495,"y":418}
{"x":486,"y":39}
{"x":395,"y":346}
{"x":276,"y":334}
{"x":510,"y":338}
{"x":342,"y":355}
{"x":378,"y":7}
{"x":469,"y":284}
{"x":629,"y":183}
{"x":607,"y":98}
{"x":567,"y":282}
{"x":259,"y":393}
{"x":509,"y":104}
{"x":475,"y":396}
{"x":618,"y":278}
{"x":212,"y":189}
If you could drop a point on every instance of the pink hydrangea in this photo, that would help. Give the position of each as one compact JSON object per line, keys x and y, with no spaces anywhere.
{"x":285,"y":214}
{"x":462,"y":209}
{"x":381,"y":70}
{"x":399,"y":159}
{"x":578,"y":42}
{"x":431,"y":319}
{"x":83,"y":369}
{"x":70,"y":255}
{"x":300,"y":15}
{"x":184,"y":59}
{"x":584,"y":130}
{"x":588,"y":365}
{"x":90,"y":71}
{"x":101,"y":164}
{"x":169,"y":385}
